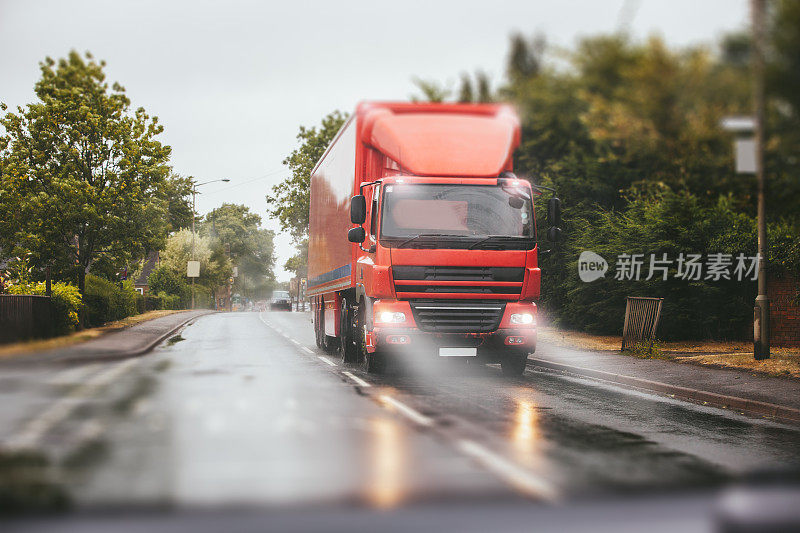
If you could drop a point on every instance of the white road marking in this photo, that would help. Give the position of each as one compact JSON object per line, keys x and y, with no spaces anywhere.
{"x":295,"y":342}
{"x":308,"y":350}
{"x":91,"y":430}
{"x":74,"y":375}
{"x":326,"y":360}
{"x":357,"y":379}
{"x":410,"y":413}
{"x":38,"y":427}
{"x":522,"y":480}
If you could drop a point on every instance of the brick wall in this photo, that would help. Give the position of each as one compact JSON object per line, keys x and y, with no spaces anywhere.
{"x":784,"y":311}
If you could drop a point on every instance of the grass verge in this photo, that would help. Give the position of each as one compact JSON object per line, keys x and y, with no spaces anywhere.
{"x":784,"y":362}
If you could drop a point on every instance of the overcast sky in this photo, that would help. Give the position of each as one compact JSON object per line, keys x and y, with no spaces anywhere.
{"x":231,"y":81}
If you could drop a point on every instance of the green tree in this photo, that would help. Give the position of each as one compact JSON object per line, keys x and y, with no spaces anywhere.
{"x":465,"y":92}
{"x":299,"y":261}
{"x":215,"y":268}
{"x":178,"y":190}
{"x":432,"y":91}
{"x":484,"y":87}
{"x":164,"y":279}
{"x":524,"y":57}
{"x":622,"y":123}
{"x":290,"y":200}
{"x":82,"y":176}
{"x":235,"y":229}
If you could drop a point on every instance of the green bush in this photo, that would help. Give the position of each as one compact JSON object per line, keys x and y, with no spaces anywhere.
{"x":656,"y":223}
{"x":164,"y":280}
{"x":107,"y":301}
{"x":66,"y":303}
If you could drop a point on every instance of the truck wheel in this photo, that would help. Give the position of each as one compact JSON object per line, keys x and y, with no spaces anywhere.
{"x":513,"y":363}
{"x":319,"y":328}
{"x":372,"y":363}
{"x":348,"y":337}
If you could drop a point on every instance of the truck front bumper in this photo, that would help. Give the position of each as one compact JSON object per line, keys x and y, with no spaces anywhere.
{"x":407,"y":337}
{"x":490,"y":346}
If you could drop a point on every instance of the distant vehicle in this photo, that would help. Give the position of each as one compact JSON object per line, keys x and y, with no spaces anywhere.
{"x":280,"y":300}
{"x":421,"y":237}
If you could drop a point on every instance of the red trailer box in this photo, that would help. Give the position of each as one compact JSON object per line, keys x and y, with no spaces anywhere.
{"x":421,"y":238}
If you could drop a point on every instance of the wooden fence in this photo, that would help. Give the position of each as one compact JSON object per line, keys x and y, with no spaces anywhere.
{"x":24,"y":317}
{"x":641,"y":321}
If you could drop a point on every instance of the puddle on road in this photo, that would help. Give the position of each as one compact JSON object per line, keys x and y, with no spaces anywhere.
{"x":176,"y":339}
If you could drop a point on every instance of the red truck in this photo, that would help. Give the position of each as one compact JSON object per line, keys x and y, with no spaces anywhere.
{"x":421,"y":238}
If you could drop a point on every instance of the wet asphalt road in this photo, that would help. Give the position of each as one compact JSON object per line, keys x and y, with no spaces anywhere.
{"x":242,"y":409}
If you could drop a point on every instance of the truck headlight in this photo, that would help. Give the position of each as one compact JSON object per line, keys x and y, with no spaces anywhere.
{"x":391,"y":317}
{"x":521,"y":318}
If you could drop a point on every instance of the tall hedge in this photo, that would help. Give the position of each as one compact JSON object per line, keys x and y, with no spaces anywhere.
{"x":107,"y":301}
{"x":660,"y":223}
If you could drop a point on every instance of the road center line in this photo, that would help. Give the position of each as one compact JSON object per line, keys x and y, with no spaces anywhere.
{"x":74,"y":375}
{"x":38,"y":427}
{"x":522,"y":480}
{"x":357,"y":379}
{"x":326,"y":360}
{"x":308,"y":350}
{"x":295,"y":342}
{"x":410,"y":413}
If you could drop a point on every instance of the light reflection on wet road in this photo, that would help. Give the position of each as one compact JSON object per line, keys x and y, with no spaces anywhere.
{"x":242,"y":411}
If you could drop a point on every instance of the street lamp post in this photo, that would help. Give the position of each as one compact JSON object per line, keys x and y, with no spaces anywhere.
{"x":194,"y":215}
{"x":750,"y":160}
{"x":761,"y":325}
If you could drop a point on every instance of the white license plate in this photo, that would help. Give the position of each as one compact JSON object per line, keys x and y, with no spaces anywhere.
{"x":458,"y":352}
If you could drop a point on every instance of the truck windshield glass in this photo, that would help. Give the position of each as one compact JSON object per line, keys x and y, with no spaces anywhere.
{"x":462,"y":211}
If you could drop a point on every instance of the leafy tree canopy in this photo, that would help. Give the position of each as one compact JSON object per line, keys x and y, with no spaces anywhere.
{"x":290,"y":200}
{"x":83,"y":177}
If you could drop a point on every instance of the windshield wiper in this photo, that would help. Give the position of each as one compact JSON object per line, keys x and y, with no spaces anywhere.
{"x":502,"y":238}
{"x":415,"y":237}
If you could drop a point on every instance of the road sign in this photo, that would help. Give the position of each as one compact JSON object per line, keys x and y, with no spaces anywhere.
{"x":193,"y":269}
{"x":746,"y":156}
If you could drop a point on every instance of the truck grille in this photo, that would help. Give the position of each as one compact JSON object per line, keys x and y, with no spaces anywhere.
{"x":458,"y":273}
{"x":481,"y":316}
{"x":457,"y":281}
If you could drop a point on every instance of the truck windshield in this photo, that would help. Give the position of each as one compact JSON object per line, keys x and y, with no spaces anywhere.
{"x":466,"y":213}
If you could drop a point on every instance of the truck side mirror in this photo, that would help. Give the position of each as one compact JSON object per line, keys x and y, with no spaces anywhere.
{"x":554,"y":234}
{"x":358,"y":210}
{"x":554,"y":212}
{"x":356,"y":235}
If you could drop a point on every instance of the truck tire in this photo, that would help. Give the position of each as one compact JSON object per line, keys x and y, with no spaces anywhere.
{"x":372,"y":363}
{"x":348,"y":336}
{"x":319,"y":327}
{"x":513,"y":363}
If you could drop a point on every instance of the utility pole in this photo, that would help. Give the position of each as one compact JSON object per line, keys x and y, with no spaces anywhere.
{"x":194,"y":215}
{"x":194,"y":195}
{"x":761,"y":311}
